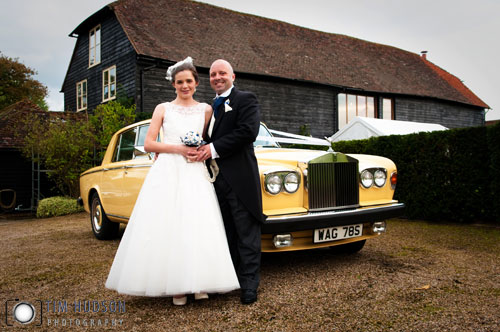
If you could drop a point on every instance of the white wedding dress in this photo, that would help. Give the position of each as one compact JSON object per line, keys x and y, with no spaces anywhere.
{"x":174,"y":242}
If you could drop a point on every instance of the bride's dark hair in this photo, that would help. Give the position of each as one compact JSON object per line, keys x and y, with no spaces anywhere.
{"x":186,"y":64}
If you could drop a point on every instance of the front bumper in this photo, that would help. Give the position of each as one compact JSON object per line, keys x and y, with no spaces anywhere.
{"x":315,"y":220}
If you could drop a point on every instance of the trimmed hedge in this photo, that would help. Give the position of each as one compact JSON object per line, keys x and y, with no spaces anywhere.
{"x":57,"y":206}
{"x":451,"y":175}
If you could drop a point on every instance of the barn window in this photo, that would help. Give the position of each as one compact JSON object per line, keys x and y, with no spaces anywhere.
{"x":387,"y":112}
{"x":350,"y":106}
{"x":95,"y":46}
{"x":81,"y":96}
{"x":109,"y":84}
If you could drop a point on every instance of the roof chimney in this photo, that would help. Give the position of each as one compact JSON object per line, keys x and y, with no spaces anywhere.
{"x":424,"y":54}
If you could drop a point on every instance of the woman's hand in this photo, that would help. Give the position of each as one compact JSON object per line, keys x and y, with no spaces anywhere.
{"x":190,"y":153}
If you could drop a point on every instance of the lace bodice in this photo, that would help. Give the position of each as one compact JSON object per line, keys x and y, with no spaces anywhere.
{"x":178,"y":120}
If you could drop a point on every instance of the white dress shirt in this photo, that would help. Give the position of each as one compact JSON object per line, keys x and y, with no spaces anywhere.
{"x":224,"y":94}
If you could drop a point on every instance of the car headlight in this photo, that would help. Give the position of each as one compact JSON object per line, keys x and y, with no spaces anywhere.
{"x":291,"y":182}
{"x":366,"y":178}
{"x":379,"y":178}
{"x":273,"y":183}
{"x":278,"y":181}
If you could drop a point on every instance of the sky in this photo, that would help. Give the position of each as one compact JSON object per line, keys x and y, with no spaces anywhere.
{"x":461,"y":36}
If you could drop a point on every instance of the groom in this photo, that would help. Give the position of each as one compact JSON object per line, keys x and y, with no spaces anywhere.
{"x":236,"y":125}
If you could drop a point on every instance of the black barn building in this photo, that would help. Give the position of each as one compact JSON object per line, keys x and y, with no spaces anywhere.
{"x":22,"y":181}
{"x":301,"y":76}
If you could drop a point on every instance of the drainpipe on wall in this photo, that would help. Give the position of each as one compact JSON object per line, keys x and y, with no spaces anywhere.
{"x":143,"y":70}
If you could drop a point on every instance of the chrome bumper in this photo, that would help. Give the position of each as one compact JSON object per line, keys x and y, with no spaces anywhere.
{"x":314,"y":220}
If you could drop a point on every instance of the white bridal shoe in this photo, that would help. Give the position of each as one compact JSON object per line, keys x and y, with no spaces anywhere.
{"x":200,"y":296}
{"x":179,"y":300}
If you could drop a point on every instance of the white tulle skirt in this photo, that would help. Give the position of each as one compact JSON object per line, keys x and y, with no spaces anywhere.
{"x":174,"y":242}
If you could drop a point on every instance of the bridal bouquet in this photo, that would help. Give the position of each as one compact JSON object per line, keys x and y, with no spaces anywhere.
{"x":192,"y":139}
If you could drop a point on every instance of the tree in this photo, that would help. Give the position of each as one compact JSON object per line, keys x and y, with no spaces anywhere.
{"x":107,"y":119}
{"x":65,"y":143}
{"x":17,"y":83}
{"x":63,"y":146}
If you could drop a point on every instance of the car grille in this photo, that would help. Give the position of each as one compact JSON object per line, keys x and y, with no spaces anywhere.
{"x":332,"y":185}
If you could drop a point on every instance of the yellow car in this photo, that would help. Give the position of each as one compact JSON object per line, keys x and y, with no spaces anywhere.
{"x":312,"y":198}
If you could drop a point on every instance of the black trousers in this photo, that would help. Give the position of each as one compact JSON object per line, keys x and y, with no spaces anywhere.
{"x":243,"y":235}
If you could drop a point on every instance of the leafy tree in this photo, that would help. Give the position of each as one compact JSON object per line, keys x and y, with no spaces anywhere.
{"x":122,"y":97}
{"x":17,"y":83}
{"x":106,"y":120}
{"x":66,"y":145}
{"x":63,"y":146}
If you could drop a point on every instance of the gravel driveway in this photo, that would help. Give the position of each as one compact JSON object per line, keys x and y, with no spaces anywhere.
{"x":417,"y":277}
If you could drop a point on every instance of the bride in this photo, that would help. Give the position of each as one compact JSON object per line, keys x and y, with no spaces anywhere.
{"x":174,"y":243}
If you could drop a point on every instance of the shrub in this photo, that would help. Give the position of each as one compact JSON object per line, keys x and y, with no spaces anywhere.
{"x":106,"y":120}
{"x":450,"y":175}
{"x":69,"y":145}
{"x":64,"y":146}
{"x":57,"y":206}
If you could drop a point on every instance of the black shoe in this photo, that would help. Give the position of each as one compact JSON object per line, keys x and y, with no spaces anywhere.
{"x":248,"y":296}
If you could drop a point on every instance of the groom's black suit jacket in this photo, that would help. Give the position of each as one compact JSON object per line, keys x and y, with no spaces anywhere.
{"x":233,"y":134}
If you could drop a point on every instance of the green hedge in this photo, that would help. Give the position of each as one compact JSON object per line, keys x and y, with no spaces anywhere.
{"x":451,"y":175}
{"x":57,"y":206}
{"x":493,"y":141}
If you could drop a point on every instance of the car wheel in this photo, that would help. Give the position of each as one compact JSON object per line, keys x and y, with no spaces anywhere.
{"x":349,"y":248}
{"x":103,"y":228}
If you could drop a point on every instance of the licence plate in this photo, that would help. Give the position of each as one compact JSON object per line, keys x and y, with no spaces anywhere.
{"x":337,"y":233}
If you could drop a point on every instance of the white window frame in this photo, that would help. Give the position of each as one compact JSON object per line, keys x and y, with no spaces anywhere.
{"x":81,"y":98}
{"x":387,"y":109}
{"x":95,"y":46}
{"x":107,"y":72}
{"x":355,"y":105}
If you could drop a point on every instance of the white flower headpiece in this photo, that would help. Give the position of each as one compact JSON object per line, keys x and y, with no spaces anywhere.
{"x":173,"y":67}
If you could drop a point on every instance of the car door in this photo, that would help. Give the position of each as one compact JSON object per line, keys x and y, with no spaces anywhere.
{"x":135,"y":171}
{"x":113,"y":174}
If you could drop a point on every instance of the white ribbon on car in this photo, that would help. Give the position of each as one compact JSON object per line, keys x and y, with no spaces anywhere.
{"x":293,"y":139}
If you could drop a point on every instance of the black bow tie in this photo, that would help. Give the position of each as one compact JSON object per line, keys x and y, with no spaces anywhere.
{"x":217,"y":102}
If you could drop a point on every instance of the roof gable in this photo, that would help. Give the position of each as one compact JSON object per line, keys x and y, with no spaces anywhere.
{"x":457,"y":84}
{"x":174,"y":29}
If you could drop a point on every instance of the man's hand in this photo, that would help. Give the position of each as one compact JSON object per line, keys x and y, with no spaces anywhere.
{"x":204,"y":153}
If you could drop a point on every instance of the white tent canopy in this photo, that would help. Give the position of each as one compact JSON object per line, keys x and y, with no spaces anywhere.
{"x":362,"y":128}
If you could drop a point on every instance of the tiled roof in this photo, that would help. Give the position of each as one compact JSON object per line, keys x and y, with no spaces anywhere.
{"x":174,"y":29}
{"x":457,"y":84}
